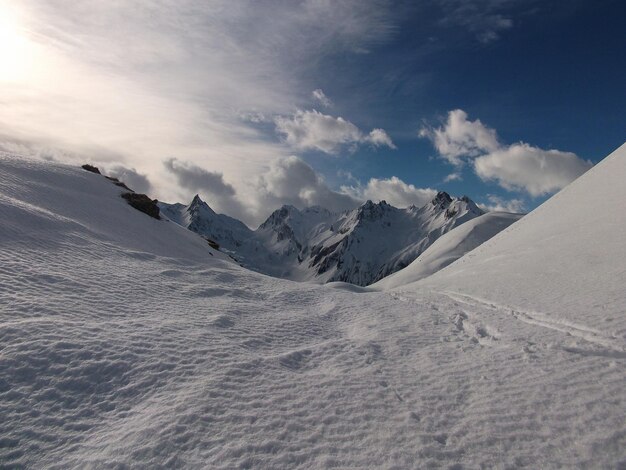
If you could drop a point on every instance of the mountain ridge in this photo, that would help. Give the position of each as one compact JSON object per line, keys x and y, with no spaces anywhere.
{"x":358,"y":246}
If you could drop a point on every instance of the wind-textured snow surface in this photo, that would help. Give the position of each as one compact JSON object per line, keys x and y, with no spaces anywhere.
{"x":127,"y":342}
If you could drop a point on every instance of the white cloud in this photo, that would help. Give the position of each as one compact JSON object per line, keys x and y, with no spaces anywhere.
{"x":499,"y":204}
{"x":379,"y":138}
{"x":314,"y":130}
{"x":456,"y":176}
{"x":531,"y":169}
{"x":460,"y":138}
{"x":393,"y":190}
{"x":292,"y":181}
{"x":306,"y":130}
{"x":517,"y":167}
{"x":322,"y":98}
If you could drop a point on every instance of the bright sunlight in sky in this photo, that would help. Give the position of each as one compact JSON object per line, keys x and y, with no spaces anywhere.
{"x":16,"y":51}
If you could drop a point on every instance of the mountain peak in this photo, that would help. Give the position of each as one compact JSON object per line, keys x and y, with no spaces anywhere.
{"x":196,"y":200}
{"x":277,"y":218}
{"x":369,"y":204}
{"x":288,"y":208}
{"x":372,"y":211}
{"x":198,"y":205}
{"x":442,"y":199}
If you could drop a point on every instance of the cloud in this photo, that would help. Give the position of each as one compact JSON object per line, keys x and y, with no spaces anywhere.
{"x":198,"y":179}
{"x":460,"y":138}
{"x":132,"y":178}
{"x":322,"y":98}
{"x":286,"y":180}
{"x":29,"y":148}
{"x":312,"y":130}
{"x":525,"y":168}
{"x":498,"y":204}
{"x":517,"y":167}
{"x":453,"y":177}
{"x":292,"y":181}
{"x":379,"y":138}
{"x":220,"y":195}
{"x":393,"y":190}
{"x":490,"y":27}
{"x":485,"y":19}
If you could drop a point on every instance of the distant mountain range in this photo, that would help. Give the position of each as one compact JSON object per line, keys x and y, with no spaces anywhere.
{"x":360,"y":246}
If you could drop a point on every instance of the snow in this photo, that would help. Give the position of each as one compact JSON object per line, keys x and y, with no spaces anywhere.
{"x":128,"y":342}
{"x":450,"y":247}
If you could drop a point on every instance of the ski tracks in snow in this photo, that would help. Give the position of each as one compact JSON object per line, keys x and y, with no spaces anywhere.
{"x":604,"y":344}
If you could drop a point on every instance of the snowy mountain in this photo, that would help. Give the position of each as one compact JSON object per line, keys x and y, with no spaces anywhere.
{"x":359,"y":246}
{"x":200,"y":218}
{"x":128,"y":342}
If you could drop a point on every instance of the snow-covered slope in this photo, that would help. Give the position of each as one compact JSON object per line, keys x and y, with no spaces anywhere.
{"x":566,"y":260}
{"x":449,"y":247}
{"x":313,"y":244}
{"x":126,"y":342}
{"x":56,"y":207}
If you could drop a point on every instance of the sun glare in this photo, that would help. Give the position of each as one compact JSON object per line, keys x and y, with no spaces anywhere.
{"x":16,"y":51}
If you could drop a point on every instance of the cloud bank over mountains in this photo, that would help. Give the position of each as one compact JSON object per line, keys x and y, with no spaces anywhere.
{"x":289,"y":180}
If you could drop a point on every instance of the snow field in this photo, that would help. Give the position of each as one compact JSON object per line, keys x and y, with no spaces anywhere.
{"x":128,"y":342}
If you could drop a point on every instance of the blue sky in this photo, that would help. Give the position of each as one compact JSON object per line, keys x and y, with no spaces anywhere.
{"x":258,"y":103}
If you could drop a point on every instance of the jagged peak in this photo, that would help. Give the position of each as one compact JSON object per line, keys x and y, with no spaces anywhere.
{"x":279,"y":215}
{"x":370,"y":210}
{"x":471,"y":205}
{"x":197,"y":199}
{"x":370,"y":204}
{"x":198,"y":204}
{"x":442,"y":199}
{"x":285,"y":210}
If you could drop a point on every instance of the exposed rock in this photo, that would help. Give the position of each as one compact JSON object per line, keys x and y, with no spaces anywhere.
{"x":91,"y":168}
{"x":117,"y":182}
{"x":143,"y":203}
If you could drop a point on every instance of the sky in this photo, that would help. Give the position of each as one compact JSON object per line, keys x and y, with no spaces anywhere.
{"x":258,"y":103}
